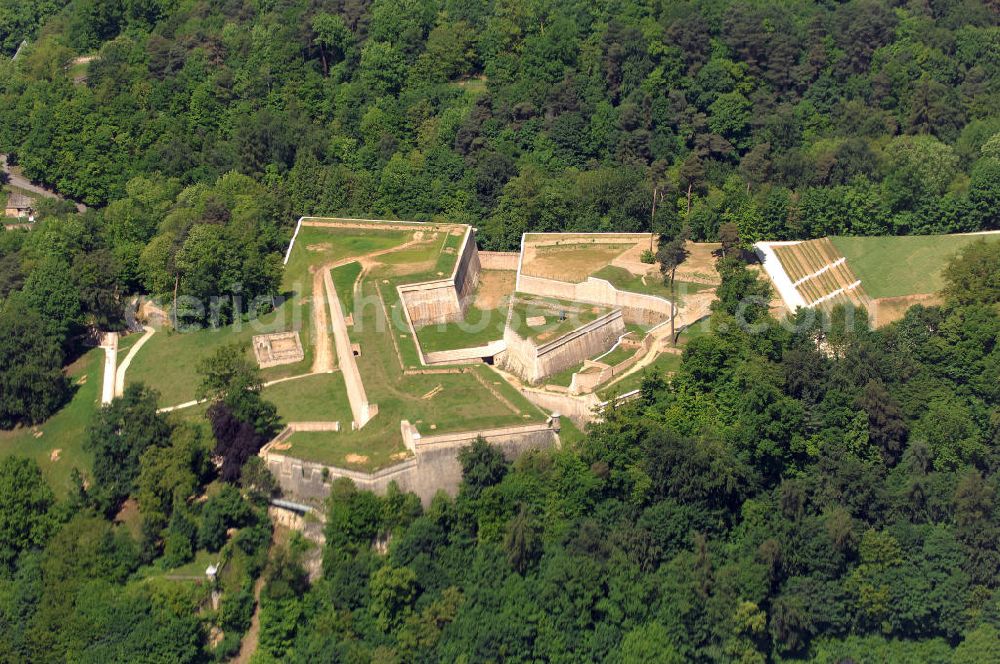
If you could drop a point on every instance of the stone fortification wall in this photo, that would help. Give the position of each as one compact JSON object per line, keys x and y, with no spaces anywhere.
{"x":595,"y":337}
{"x":466,"y":272}
{"x":520,"y":357}
{"x":434,"y":467}
{"x":444,"y":300}
{"x":498,"y":260}
{"x":637,"y":307}
{"x":464,"y":355}
{"x":595,"y":372}
{"x":431,"y":302}
{"x":361,"y":410}
{"x":578,"y":409}
{"x":534,"y":363}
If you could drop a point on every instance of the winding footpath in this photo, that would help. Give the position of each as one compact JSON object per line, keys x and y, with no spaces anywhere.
{"x":120,"y":373}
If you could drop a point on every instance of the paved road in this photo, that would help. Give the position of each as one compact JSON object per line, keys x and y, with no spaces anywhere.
{"x":21,"y":182}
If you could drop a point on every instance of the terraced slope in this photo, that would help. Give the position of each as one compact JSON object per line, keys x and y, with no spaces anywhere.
{"x":821,"y":274}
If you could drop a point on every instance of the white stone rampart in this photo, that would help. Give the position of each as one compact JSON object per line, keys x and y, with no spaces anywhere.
{"x":637,"y":307}
{"x":361,"y":410}
{"x":782,"y":283}
{"x":444,"y":300}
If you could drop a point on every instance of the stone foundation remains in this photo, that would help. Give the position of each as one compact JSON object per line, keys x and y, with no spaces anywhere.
{"x":278,"y":348}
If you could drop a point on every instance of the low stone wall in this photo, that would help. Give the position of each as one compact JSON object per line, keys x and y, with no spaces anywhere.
{"x":499,"y":260}
{"x":638,"y":308}
{"x":578,"y":409}
{"x":295,"y":427}
{"x":534,"y":363}
{"x":464,"y":355}
{"x":433,"y":468}
{"x":585,"y":381}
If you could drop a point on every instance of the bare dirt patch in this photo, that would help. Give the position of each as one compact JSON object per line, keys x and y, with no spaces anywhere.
{"x":494,"y":289}
{"x":356,"y":458}
{"x":699,"y":267}
{"x":570,"y":262}
{"x":54,"y":455}
{"x":886,"y":310}
{"x":320,"y":246}
{"x":629,"y":260}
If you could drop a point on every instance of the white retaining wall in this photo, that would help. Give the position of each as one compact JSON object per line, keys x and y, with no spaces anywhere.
{"x":536,"y":362}
{"x":444,"y":300}
{"x":637,"y":307}
{"x":433,"y":468}
{"x":360,"y":408}
{"x":775,"y":270}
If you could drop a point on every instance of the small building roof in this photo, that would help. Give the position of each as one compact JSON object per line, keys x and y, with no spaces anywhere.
{"x":20,"y":201}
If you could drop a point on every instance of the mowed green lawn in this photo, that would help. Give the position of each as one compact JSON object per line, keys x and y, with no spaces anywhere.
{"x":435,"y":403}
{"x":907,"y":265}
{"x":479,"y":327}
{"x":168,"y":362}
{"x":65,"y":430}
{"x":316,"y":398}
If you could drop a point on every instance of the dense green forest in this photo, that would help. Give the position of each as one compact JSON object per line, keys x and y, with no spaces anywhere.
{"x":820,"y":492}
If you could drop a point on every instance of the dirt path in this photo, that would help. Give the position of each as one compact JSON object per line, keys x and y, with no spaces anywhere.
{"x":21,"y":182}
{"x":248,"y":646}
{"x":323,"y":358}
{"x":123,"y":367}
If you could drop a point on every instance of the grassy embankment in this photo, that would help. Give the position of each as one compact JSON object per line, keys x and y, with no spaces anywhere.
{"x":906,"y":265}
{"x":65,"y":430}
